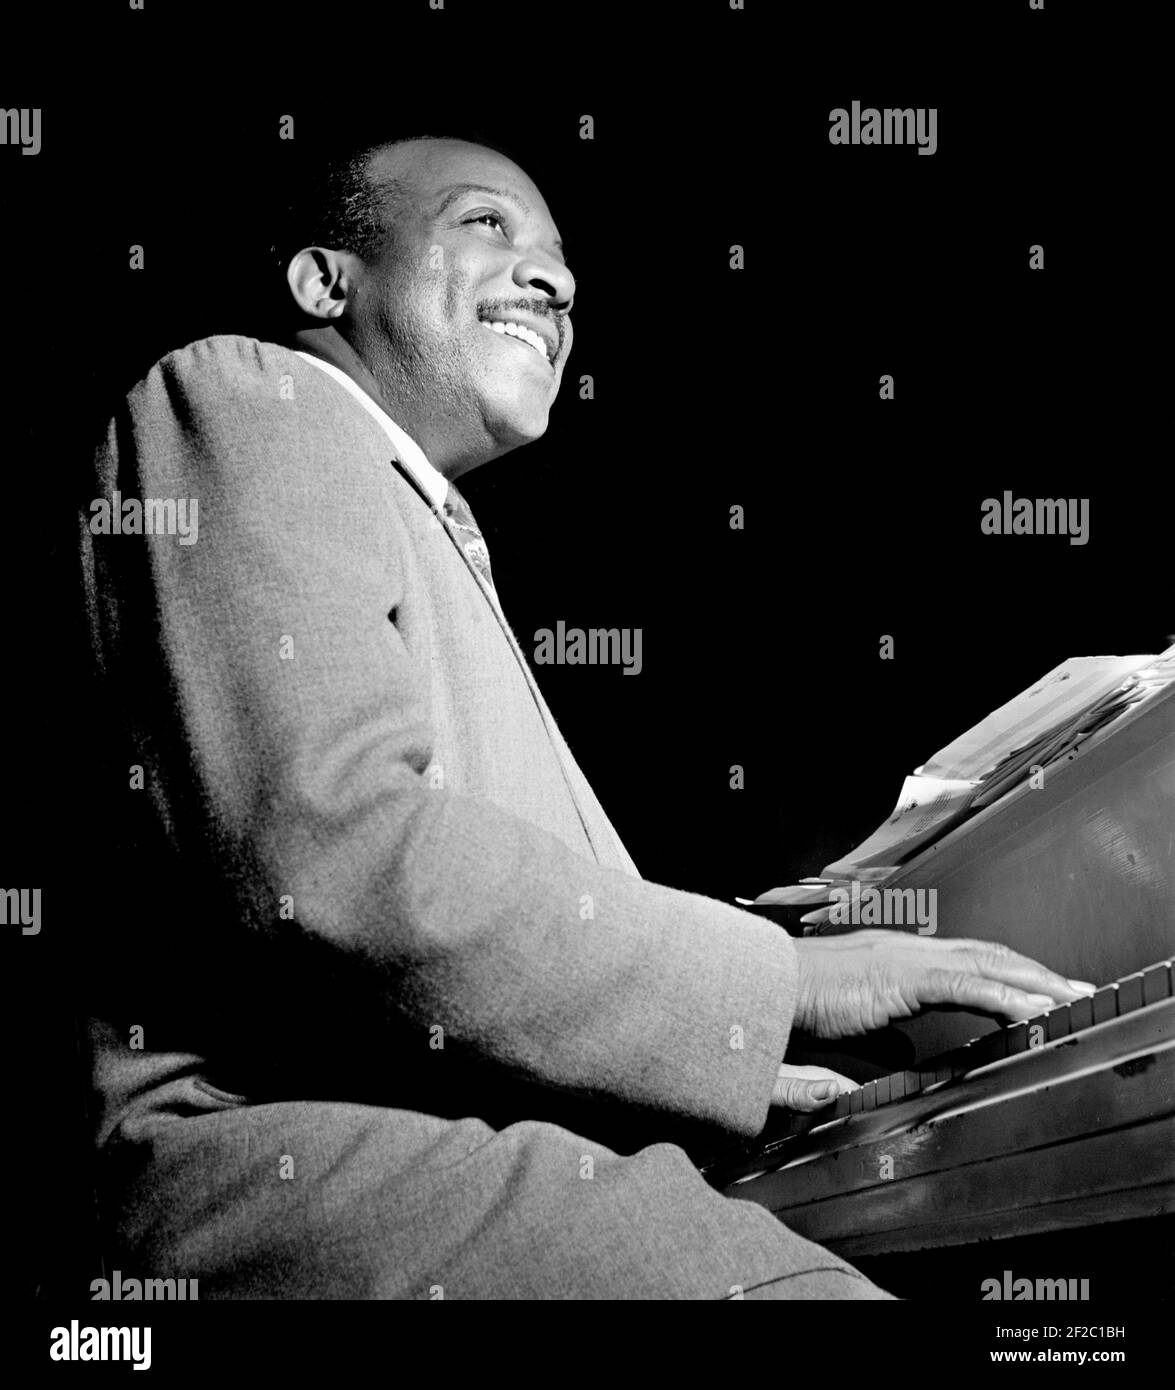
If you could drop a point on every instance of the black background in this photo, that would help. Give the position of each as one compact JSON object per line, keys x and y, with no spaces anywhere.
{"x":712,"y":388}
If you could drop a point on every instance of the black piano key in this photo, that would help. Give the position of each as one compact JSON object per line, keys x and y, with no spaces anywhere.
{"x":1081,"y":1014}
{"x":1105,"y":1004}
{"x":1058,"y":1023}
{"x":1129,"y":994}
{"x":989,"y":1048}
{"x":1017,"y":1038}
{"x":882,"y":1089}
{"x":935,"y":1069}
{"x":1156,"y":984}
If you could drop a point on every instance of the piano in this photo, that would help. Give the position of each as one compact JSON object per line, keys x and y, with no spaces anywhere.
{"x":1063,"y":1123}
{"x":1067,"y":1119}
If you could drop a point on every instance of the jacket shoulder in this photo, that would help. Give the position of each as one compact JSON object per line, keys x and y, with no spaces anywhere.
{"x":225,"y":366}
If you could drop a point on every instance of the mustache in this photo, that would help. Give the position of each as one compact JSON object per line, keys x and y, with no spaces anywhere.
{"x":540,"y":308}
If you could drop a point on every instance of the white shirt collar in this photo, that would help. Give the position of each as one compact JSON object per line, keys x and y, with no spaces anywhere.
{"x":410,"y":454}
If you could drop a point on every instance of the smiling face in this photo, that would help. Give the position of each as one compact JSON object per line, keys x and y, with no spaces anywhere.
{"x":462,"y":315}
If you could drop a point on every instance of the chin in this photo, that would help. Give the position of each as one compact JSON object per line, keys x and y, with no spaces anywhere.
{"x":518,"y":423}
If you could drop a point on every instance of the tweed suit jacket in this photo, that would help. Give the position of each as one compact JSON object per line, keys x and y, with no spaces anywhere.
{"x":383,"y":890}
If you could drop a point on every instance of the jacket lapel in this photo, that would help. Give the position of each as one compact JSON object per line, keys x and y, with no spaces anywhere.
{"x":330,"y":345}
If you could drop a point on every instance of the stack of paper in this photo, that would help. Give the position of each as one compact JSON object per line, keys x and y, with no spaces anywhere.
{"x":1051,"y":748}
{"x":1031,"y":732}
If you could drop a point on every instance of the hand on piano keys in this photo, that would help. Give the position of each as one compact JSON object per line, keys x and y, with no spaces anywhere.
{"x":853,"y":984}
{"x":808,"y":1088}
{"x":1090,"y":1086}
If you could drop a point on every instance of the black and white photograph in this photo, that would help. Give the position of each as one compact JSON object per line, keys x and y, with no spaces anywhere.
{"x":590,"y":713}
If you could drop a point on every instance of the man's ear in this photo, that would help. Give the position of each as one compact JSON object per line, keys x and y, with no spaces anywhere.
{"x":322,"y":281}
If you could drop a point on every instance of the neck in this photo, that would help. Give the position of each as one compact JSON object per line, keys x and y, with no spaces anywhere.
{"x":448,"y":456}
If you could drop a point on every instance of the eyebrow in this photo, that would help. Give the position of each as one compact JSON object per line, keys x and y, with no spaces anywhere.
{"x":459,"y":190}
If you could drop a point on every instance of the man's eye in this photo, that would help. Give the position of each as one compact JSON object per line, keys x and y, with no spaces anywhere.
{"x":488,"y":217}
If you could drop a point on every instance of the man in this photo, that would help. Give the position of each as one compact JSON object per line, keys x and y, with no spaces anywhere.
{"x":390,"y":930}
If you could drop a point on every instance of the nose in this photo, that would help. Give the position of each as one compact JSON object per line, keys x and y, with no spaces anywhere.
{"x":544,"y":275}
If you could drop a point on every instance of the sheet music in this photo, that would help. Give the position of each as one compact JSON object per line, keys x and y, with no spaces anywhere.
{"x":1035,"y":729}
{"x":1063,"y":694}
{"x":926,"y":807}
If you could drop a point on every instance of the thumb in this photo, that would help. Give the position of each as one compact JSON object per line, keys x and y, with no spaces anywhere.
{"x":808,"y":1088}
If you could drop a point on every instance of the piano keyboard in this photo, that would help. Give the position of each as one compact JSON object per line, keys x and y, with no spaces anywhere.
{"x":789,"y":1135}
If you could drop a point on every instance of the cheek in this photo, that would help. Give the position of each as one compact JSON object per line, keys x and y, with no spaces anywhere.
{"x":426,"y":294}
{"x":455,"y":298}
{"x":452,"y":286}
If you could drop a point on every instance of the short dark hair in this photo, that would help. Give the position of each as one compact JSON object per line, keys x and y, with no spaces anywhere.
{"x":344,"y":207}
{"x":341,"y":205}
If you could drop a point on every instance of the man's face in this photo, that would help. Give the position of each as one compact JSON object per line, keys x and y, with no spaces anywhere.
{"x":472,"y":244}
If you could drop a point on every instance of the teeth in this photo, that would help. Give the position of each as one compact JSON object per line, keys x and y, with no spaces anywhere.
{"x":516,"y":330}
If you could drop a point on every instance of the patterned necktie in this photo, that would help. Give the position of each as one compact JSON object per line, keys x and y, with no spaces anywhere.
{"x":470,"y":538}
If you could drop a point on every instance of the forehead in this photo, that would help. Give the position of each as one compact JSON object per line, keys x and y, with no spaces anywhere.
{"x":434,"y":168}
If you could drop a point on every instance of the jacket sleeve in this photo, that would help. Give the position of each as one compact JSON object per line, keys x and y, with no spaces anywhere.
{"x":305,"y":724}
